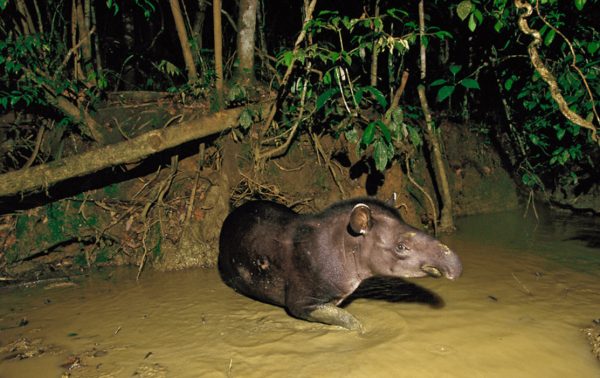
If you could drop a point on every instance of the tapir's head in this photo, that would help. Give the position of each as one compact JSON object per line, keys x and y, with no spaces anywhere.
{"x":390,"y":247}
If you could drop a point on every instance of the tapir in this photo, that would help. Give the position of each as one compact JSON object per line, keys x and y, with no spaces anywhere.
{"x":309,"y":264}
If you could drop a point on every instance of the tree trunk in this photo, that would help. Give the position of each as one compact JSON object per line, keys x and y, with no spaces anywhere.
{"x":183,"y":40}
{"x":244,"y":74}
{"x":421,"y":36}
{"x":198,"y":27}
{"x":260,"y":20}
{"x":446,"y":216}
{"x":26,"y":21}
{"x":42,"y":176}
{"x":218,"y":36}
{"x":74,"y":31}
{"x":86,"y":46}
{"x":96,"y":41}
{"x":128,"y":77}
{"x":374,"y":60}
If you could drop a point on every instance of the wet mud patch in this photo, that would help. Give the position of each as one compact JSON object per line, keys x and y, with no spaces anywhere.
{"x":273,"y":325}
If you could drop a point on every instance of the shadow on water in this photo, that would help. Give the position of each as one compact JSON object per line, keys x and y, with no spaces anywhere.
{"x":394,"y":290}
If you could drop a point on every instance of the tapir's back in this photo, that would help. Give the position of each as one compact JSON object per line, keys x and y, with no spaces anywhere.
{"x":251,"y":248}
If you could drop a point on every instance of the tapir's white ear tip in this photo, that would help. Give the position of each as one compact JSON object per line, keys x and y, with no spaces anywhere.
{"x":360,"y":205}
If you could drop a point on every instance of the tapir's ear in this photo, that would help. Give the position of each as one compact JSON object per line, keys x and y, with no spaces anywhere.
{"x":360,"y":219}
{"x":392,"y":201}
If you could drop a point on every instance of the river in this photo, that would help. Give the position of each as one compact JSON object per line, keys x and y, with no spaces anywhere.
{"x":527,"y":289}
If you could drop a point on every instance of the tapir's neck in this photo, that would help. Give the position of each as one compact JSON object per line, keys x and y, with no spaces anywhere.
{"x":354,"y":257}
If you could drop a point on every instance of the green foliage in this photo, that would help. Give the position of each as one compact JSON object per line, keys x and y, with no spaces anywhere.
{"x":449,"y":86}
{"x":192,"y":89}
{"x":237,"y":93}
{"x":556,"y":150}
{"x":80,"y":260}
{"x":342,"y":43}
{"x":246,"y":119}
{"x":146,"y":5}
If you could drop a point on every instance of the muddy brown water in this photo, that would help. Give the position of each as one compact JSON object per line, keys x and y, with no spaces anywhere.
{"x":527,"y":290}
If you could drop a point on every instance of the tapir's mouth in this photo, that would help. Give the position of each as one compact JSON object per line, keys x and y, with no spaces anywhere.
{"x":435,"y":272}
{"x":431,"y":270}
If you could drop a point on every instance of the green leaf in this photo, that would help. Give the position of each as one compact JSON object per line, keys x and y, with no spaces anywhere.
{"x":385,"y":131}
{"x":443,"y":34}
{"x":347,"y":58}
{"x":498,"y":27}
{"x":478,"y":15}
{"x":472,"y":24}
{"x":564,"y":157}
{"x":369,"y":134}
{"x":413,"y":135}
{"x":352,"y":135}
{"x":359,"y":95}
{"x":470,"y":83}
{"x":288,"y":58}
{"x":396,"y":115}
{"x":561,"y":133}
{"x":455,"y":69}
{"x":534,"y":139}
{"x":325,"y":96}
{"x":445,"y":92}
{"x":381,"y":156}
{"x":549,"y":37}
{"x":246,"y":119}
{"x":592,"y":47}
{"x":359,"y":149}
{"x":378,"y":95}
{"x":464,"y":9}
{"x":579,"y":4}
{"x":378,"y":24}
{"x":14,"y":100}
{"x":396,"y":13}
{"x":508,"y":84}
{"x":439,"y":82}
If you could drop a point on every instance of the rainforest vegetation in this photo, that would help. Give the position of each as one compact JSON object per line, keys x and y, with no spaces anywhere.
{"x":129,"y":128}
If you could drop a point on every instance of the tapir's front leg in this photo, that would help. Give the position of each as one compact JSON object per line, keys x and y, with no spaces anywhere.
{"x":329,"y":313}
{"x":305,"y":304}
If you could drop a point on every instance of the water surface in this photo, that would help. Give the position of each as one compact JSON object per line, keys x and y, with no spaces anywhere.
{"x":526,"y":291}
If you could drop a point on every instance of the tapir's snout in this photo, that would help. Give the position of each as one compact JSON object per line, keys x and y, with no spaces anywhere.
{"x":448,"y":265}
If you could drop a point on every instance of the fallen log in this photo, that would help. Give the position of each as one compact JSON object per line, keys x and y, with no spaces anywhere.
{"x":46,"y":175}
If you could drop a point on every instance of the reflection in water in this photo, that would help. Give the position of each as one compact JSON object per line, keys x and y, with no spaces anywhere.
{"x":391,"y":289}
{"x":527,"y":290}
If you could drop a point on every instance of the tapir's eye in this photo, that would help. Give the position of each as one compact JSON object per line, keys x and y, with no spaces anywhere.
{"x":401,"y":252}
{"x":401,"y":249}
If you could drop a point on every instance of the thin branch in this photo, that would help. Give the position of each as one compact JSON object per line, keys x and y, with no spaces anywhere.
{"x":286,"y":77}
{"x":38,"y":142}
{"x":71,"y":51}
{"x":426,"y":195}
{"x":574,"y":64}
{"x":545,"y":72}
